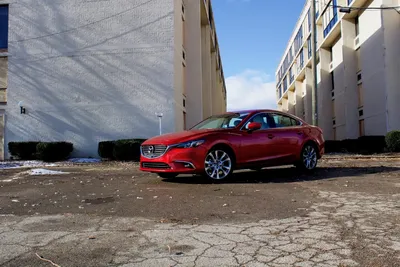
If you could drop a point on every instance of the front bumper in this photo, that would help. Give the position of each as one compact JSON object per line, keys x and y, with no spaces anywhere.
{"x":176,"y":160}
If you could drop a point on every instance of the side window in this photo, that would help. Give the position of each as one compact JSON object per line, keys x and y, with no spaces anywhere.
{"x":260,"y":118}
{"x":295,"y":122}
{"x":284,"y":121}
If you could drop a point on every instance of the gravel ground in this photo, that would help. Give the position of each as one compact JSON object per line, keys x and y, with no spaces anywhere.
{"x":110,"y":214}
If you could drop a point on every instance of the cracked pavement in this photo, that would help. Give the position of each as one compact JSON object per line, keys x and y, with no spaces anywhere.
{"x":352,"y":223}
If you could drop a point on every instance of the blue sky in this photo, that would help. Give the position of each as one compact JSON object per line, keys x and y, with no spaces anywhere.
{"x":252,"y":36}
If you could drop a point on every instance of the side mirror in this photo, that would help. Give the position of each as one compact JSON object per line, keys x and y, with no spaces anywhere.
{"x":253,"y":126}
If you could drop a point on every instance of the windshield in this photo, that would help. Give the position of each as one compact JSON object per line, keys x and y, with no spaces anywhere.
{"x":225,"y":121}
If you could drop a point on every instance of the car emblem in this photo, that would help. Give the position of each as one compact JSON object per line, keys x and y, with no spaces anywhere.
{"x":150,"y":149}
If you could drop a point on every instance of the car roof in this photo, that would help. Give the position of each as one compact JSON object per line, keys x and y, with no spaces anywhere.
{"x":252,"y":111}
{"x":265,"y":110}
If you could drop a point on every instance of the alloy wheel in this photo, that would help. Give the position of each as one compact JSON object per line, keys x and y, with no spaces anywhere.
{"x":218,"y":164}
{"x":309,"y":157}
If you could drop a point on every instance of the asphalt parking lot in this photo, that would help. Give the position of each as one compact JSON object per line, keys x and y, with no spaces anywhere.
{"x":110,"y":214}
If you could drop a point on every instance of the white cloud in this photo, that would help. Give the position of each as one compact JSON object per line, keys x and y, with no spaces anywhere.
{"x":250,"y":89}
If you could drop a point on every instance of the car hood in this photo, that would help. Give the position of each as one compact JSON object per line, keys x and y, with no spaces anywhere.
{"x":179,"y":137}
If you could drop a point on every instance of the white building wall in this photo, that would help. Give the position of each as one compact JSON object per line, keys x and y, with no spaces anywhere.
{"x":89,"y":71}
{"x":391,"y":24}
{"x":372,"y":61}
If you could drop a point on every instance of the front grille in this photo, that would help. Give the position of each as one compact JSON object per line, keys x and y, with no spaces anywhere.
{"x":153,"y":151}
{"x":155,"y":165}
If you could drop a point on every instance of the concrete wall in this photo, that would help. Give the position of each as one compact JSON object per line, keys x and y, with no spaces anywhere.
{"x":391,"y":26}
{"x":88,"y":71}
{"x":372,"y":61}
{"x":350,"y":68}
{"x":193,"y":79}
{"x":178,"y":65}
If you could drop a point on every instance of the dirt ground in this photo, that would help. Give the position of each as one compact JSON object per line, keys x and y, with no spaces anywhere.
{"x":353,"y":202}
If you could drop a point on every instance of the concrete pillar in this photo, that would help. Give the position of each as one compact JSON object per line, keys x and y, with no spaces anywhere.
{"x":206,"y":70}
{"x":291,"y":102}
{"x":349,"y":71}
{"x":285,"y":105}
{"x":391,"y":26}
{"x":325,"y":111}
{"x":307,"y":96}
{"x":299,"y":108}
{"x":194,"y":81}
{"x":215,"y":92}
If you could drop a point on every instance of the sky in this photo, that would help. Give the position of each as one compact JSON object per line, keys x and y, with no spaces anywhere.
{"x":252,"y":36}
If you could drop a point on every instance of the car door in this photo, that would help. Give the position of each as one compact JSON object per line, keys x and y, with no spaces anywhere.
{"x":256,"y":145}
{"x":288,"y":134}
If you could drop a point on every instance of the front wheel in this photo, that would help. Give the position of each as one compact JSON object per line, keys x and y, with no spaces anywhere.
{"x":308,"y":158}
{"x":167,"y":175}
{"x":218,"y":164}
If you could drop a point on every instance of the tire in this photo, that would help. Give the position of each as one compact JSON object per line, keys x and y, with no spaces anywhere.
{"x":218,"y":164}
{"x":167,"y":175}
{"x":308,"y":158}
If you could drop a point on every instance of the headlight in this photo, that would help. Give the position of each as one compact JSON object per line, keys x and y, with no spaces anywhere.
{"x":190,"y":144}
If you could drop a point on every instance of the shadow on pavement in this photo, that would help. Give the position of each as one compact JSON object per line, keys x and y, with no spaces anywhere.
{"x":286,"y":175}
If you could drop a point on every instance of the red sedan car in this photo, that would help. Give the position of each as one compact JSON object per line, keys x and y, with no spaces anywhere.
{"x":223,"y":143}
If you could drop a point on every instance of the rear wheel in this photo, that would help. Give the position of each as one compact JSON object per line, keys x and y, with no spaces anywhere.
{"x":308,"y":158}
{"x":218,"y":164}
{"x":167,"y":175}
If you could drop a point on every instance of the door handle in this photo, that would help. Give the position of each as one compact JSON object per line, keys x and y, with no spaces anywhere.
{"x":270,"y":136}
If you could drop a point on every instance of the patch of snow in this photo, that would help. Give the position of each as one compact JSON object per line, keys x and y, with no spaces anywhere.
{"x":37,"y":163}
{"x":84,"y":160}
{"x":26,"y":163}
{"x":45,"y":172}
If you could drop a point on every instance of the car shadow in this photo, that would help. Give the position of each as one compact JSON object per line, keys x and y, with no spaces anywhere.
{"x":286,"y":175}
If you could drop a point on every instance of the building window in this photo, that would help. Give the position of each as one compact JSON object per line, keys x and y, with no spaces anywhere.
{"x":309,"y":20}
{"x":3,"y":26}
{"x":361,"y":127}
{"x":333,"y":107}
{"x":333,"y":121}
{"x":309,"y":47}
{"x":330,"y":17}
{"x":301,"y":59}
{"x":359,"y":77}
{"x":280,"y":91}
{"x":334,"y":133}
{"x":285,"y":85}
{"x":360,"y":112}
{"x":291,"y":75}
{"x":333,"y":80}
{"x":333,"y":93}
{"x":298,"y":40}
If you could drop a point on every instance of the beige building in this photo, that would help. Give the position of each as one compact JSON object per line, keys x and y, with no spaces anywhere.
{"x":358,"y":70}
{"x":199,"y":71}
{"x":87,"y":71}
